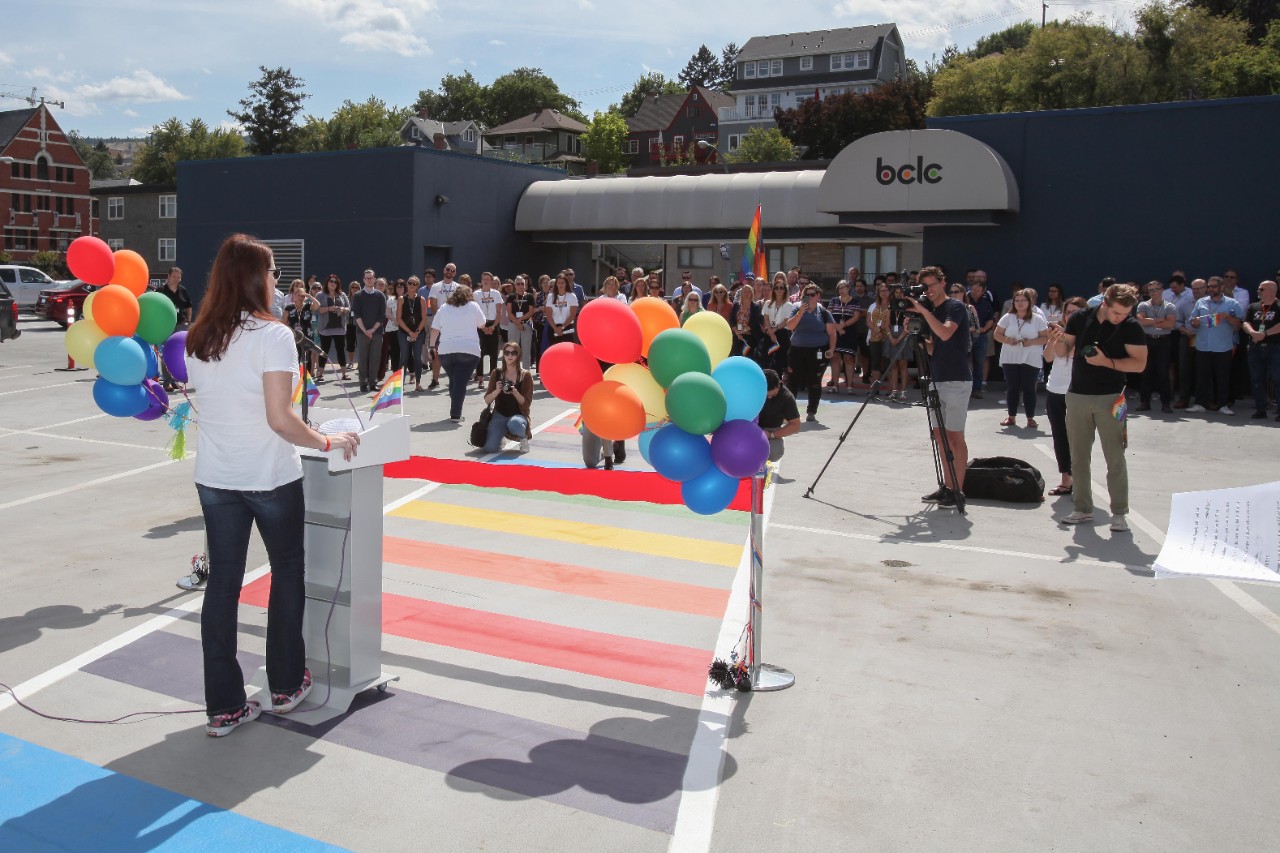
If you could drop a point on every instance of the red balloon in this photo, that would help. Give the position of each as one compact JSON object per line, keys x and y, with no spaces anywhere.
{"x":567,"y":371}
{"x":610,"y":330}
{"x":90,"y":260}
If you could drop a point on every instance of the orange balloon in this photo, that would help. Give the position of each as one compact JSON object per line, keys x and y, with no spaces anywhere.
{"x":115,"y":310}
{"x":656,"y":315}
{"x":613,"y":411}
{"x":131,"y":272}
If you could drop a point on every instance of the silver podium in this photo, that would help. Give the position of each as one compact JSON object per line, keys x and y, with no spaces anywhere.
{"x":342,"y":624}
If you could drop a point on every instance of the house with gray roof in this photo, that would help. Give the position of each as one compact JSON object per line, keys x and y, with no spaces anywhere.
{"x":425,"y":131}
{"x":780,"y":72}
{"x":667,"y":125}
{"x":546,"y":137}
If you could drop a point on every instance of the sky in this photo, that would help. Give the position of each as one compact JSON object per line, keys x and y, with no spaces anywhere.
{"x":124,"y":66}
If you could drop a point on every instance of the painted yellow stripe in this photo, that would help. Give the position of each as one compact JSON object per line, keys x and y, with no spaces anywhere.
{"x":577,"y":532}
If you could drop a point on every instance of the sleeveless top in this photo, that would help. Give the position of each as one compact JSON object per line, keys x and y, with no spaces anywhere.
{"x":412,"y":312}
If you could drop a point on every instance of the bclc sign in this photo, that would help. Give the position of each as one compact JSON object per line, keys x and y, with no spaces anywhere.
{"x":917,"y":173}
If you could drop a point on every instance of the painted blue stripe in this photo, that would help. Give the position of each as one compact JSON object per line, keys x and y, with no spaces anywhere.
{"x":54,"y":802}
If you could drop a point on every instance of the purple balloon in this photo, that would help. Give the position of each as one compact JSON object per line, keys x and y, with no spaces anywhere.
{"x":739,"y":448}
{"x":175,"y":356}
{"x":157,"y":401}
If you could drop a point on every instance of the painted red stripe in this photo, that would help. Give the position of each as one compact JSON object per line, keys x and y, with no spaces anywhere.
{"x":611,"y":485}
{"x":645,"y":662}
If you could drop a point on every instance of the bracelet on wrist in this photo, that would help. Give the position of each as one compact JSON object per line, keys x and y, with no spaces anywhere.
{"x":327,"y":444}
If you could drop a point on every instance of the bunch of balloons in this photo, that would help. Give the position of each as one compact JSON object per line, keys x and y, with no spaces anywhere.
{"x":121,"y":324}
{"x":691,"y":404}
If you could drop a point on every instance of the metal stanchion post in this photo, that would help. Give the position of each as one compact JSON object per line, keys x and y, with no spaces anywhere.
{"x":763,"y":676}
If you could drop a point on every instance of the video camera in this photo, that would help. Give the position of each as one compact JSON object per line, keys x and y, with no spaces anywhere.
{"x":915,"y":324}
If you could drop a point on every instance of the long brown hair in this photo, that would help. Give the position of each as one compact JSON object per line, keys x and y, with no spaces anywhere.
{"x":235,"y":288}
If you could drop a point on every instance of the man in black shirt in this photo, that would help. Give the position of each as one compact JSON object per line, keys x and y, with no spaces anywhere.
{"x":779,"y":416}
{"x":1108,"y":343}
{"x":951,"y":376}
{"x":1262,"y":330}
{"x":177,"y":294}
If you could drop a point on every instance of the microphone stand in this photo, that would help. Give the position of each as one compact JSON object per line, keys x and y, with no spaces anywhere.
{"x":307,"y":344}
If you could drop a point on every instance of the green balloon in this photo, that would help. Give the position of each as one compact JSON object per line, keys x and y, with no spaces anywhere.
{"x":156,"y":318}
{"x":696,"y":403}
{"x":675,"y":351}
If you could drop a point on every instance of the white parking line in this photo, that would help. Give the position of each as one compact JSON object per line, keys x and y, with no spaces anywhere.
{"x":16,"y":367}
{"x":1233,"y":591}
{"x":37,"y":388}
{"x":42,"y":433}
{"x":89,"y":484}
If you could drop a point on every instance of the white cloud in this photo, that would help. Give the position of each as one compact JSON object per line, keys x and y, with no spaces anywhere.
{"x":933,"y":23}
{"x":373,"y":24}
{"x":5,"y":59}
{"x":141,"y":87}
{"x":586,"y":4}
{"x":497,"y":42}
{"x":130,"y":113}
{"x":230,"y":126}
{"x":456,"y":62}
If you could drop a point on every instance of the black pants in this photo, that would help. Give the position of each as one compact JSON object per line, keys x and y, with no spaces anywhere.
{"x":488,"y":348}
{"x":1155,"y":378}
{"x":1238,"y":383}
{"x":1020,"y":384}
{"x":1186,"y":368}
{"x":1055,"y":406}
{"x":1213,"y":378}
{"x":806,"y":366}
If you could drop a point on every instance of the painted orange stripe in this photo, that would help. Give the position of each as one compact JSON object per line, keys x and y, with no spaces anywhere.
{"x":557,"y":577}
{"x":651,"y":664}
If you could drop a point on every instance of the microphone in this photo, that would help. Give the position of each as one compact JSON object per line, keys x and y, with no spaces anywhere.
{"x":306,"y":342}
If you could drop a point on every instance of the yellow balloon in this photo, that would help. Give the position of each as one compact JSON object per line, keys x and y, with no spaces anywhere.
{"x":87,"y":306}
{"x":713,"y":330}
{"x":638,"y":378}
{"x":82,"y":339}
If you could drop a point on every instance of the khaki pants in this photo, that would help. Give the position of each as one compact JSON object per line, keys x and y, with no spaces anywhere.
{"x":1087,"y":414}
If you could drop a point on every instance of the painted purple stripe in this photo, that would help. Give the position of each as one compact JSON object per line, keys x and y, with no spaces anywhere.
{"x":612,"y":778}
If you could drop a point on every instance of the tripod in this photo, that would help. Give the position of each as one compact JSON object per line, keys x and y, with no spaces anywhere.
{"x":942,"y":456}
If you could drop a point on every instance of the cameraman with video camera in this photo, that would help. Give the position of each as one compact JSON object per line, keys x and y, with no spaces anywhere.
{"x":947,"y":341}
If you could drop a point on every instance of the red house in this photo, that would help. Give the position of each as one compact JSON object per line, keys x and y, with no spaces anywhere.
{"x":669,"y":124}
{"x":44,"y":185}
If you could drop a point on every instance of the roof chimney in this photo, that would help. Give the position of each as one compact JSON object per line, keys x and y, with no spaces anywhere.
{"x":441,"y":143}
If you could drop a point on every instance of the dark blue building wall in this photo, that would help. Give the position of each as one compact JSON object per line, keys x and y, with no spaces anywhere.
{"x":1130,"y":192}
{"x":355,"y":209}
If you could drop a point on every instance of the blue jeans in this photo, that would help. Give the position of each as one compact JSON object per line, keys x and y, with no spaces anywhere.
{"x":459,"y":367}
{"x":228,"y":515}
{"x":500,"y":426}
{"x":1264,"y":370}
{"x":978,"y":358}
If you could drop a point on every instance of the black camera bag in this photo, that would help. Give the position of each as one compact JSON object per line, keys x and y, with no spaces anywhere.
{"x":1002,"y":478}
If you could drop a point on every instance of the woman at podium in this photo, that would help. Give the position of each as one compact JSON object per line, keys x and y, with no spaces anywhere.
{"x":248,"y":472}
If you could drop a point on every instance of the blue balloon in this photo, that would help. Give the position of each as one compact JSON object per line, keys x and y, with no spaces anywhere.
{"x":744,"y":387}
{"x":709,"y":493}
{"x":120,"y":401}
{"x":645,"y":439}
{"x":153,"y":363}
{"x":678,"y":455}
{"x":121,"y":361}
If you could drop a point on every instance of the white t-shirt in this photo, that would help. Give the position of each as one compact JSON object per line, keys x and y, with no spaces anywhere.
{"x":778,"y":314}
{"x":391,"y":313}
{"x":560,"y":307}
{"x":1017,"y":329}
{"x":489,"y":300}
{"x":1059,"y":376}
{"x":235,"y":447}
{"x":441,"y":291}
{"x":457,"y":325}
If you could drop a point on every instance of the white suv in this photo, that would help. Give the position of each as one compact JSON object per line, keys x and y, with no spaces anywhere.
{"x":25,"y":283}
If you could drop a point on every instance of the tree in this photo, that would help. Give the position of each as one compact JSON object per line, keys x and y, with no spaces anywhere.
{"x":603,"y":141}
{"x":649,"y":85}
{"x":1010,"y":38}
{"x":1247,"y":72}
{"x":52,"y":262}
{"x":268,"y":115}
{"x":371,"y":124}
{"x":728,"y":67}
{"x":97,"y":158}
{"x":523,"y":91}
{"x":703,"y":69}
{"x":1257,"y":14}
{"x":823,"y":127}
{"x":762,"y":145}
{"x":459,"y":98}
{"x":172,"y":142}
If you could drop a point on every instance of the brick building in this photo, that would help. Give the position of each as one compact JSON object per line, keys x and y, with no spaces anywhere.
{"x":140,"y":217}
{"x":44,"y":185}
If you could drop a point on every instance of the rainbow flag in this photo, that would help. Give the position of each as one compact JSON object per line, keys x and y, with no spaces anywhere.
{"x":390,"y":394}
{"x":305,"y":386}
{"x":1120,"y":411}
{"x":1211,"y":320}
{"x":753,"y":257}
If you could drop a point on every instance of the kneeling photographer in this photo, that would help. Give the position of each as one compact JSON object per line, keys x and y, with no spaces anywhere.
{"x":946,"y":334}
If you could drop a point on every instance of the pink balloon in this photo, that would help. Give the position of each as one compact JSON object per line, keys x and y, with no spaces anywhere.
{"x":568,"y":370}
{"x":610,"y":330}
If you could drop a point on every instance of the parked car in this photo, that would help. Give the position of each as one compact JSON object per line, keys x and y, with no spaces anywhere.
{"x":54,"y":303}
{"x":8,"y":314}
{"x":25,"y":283}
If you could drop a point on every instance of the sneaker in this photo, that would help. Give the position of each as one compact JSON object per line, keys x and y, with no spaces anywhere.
{"x":524,"y":445}
{"x":221,"y":725}
{"x":812,"y":417}
{"x":977,"y":394}
{"x":195,"y":582}
{"x":435,"y":383}
{"x":608,"y":463}
{"x":1119,"y":524}
{"x":949,"y":499}
{"x":1258,"y":415}
{"x":938,"y":495}
{"x":283,"y":703}
{"x":1226,"y":410}
{"x":619,"y":456}
{"x":1196,"y":409}
{"x":1077,"y":517}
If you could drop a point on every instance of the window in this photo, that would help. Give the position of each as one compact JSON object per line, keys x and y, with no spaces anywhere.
{"x":763,"y":68}
{"x":115,"y":244}
{"x":692,"y":111}
{"x":775,"y":68}
{"x":15,"y":169}
{"x":783,"y":258}
{"x":678,"y":142}
{"x":469,"y":135}
{"x":871,"y":260}
{"x":806,"y":63}
{"x":509,"y":140}
{"x":775,"y":100}
{"x":862,"y":90}
{"x":168,"y":206}
{"x":167,"y":250}
{"x":748,"y":70}
{"x":695,"y":257}
{"x":749,"y":107}
{"x":734,"y":140}
{"x":95,"y":208}
{"x":858,"y":61}
{"x":42,"y":168}
{"x":64,"y":240}
{"x":653,"y":145}
{"x":631,"y":146}
{"x":115,"y":208}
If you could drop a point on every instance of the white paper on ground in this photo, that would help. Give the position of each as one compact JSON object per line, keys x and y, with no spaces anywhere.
{"x":1225,"y":533}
